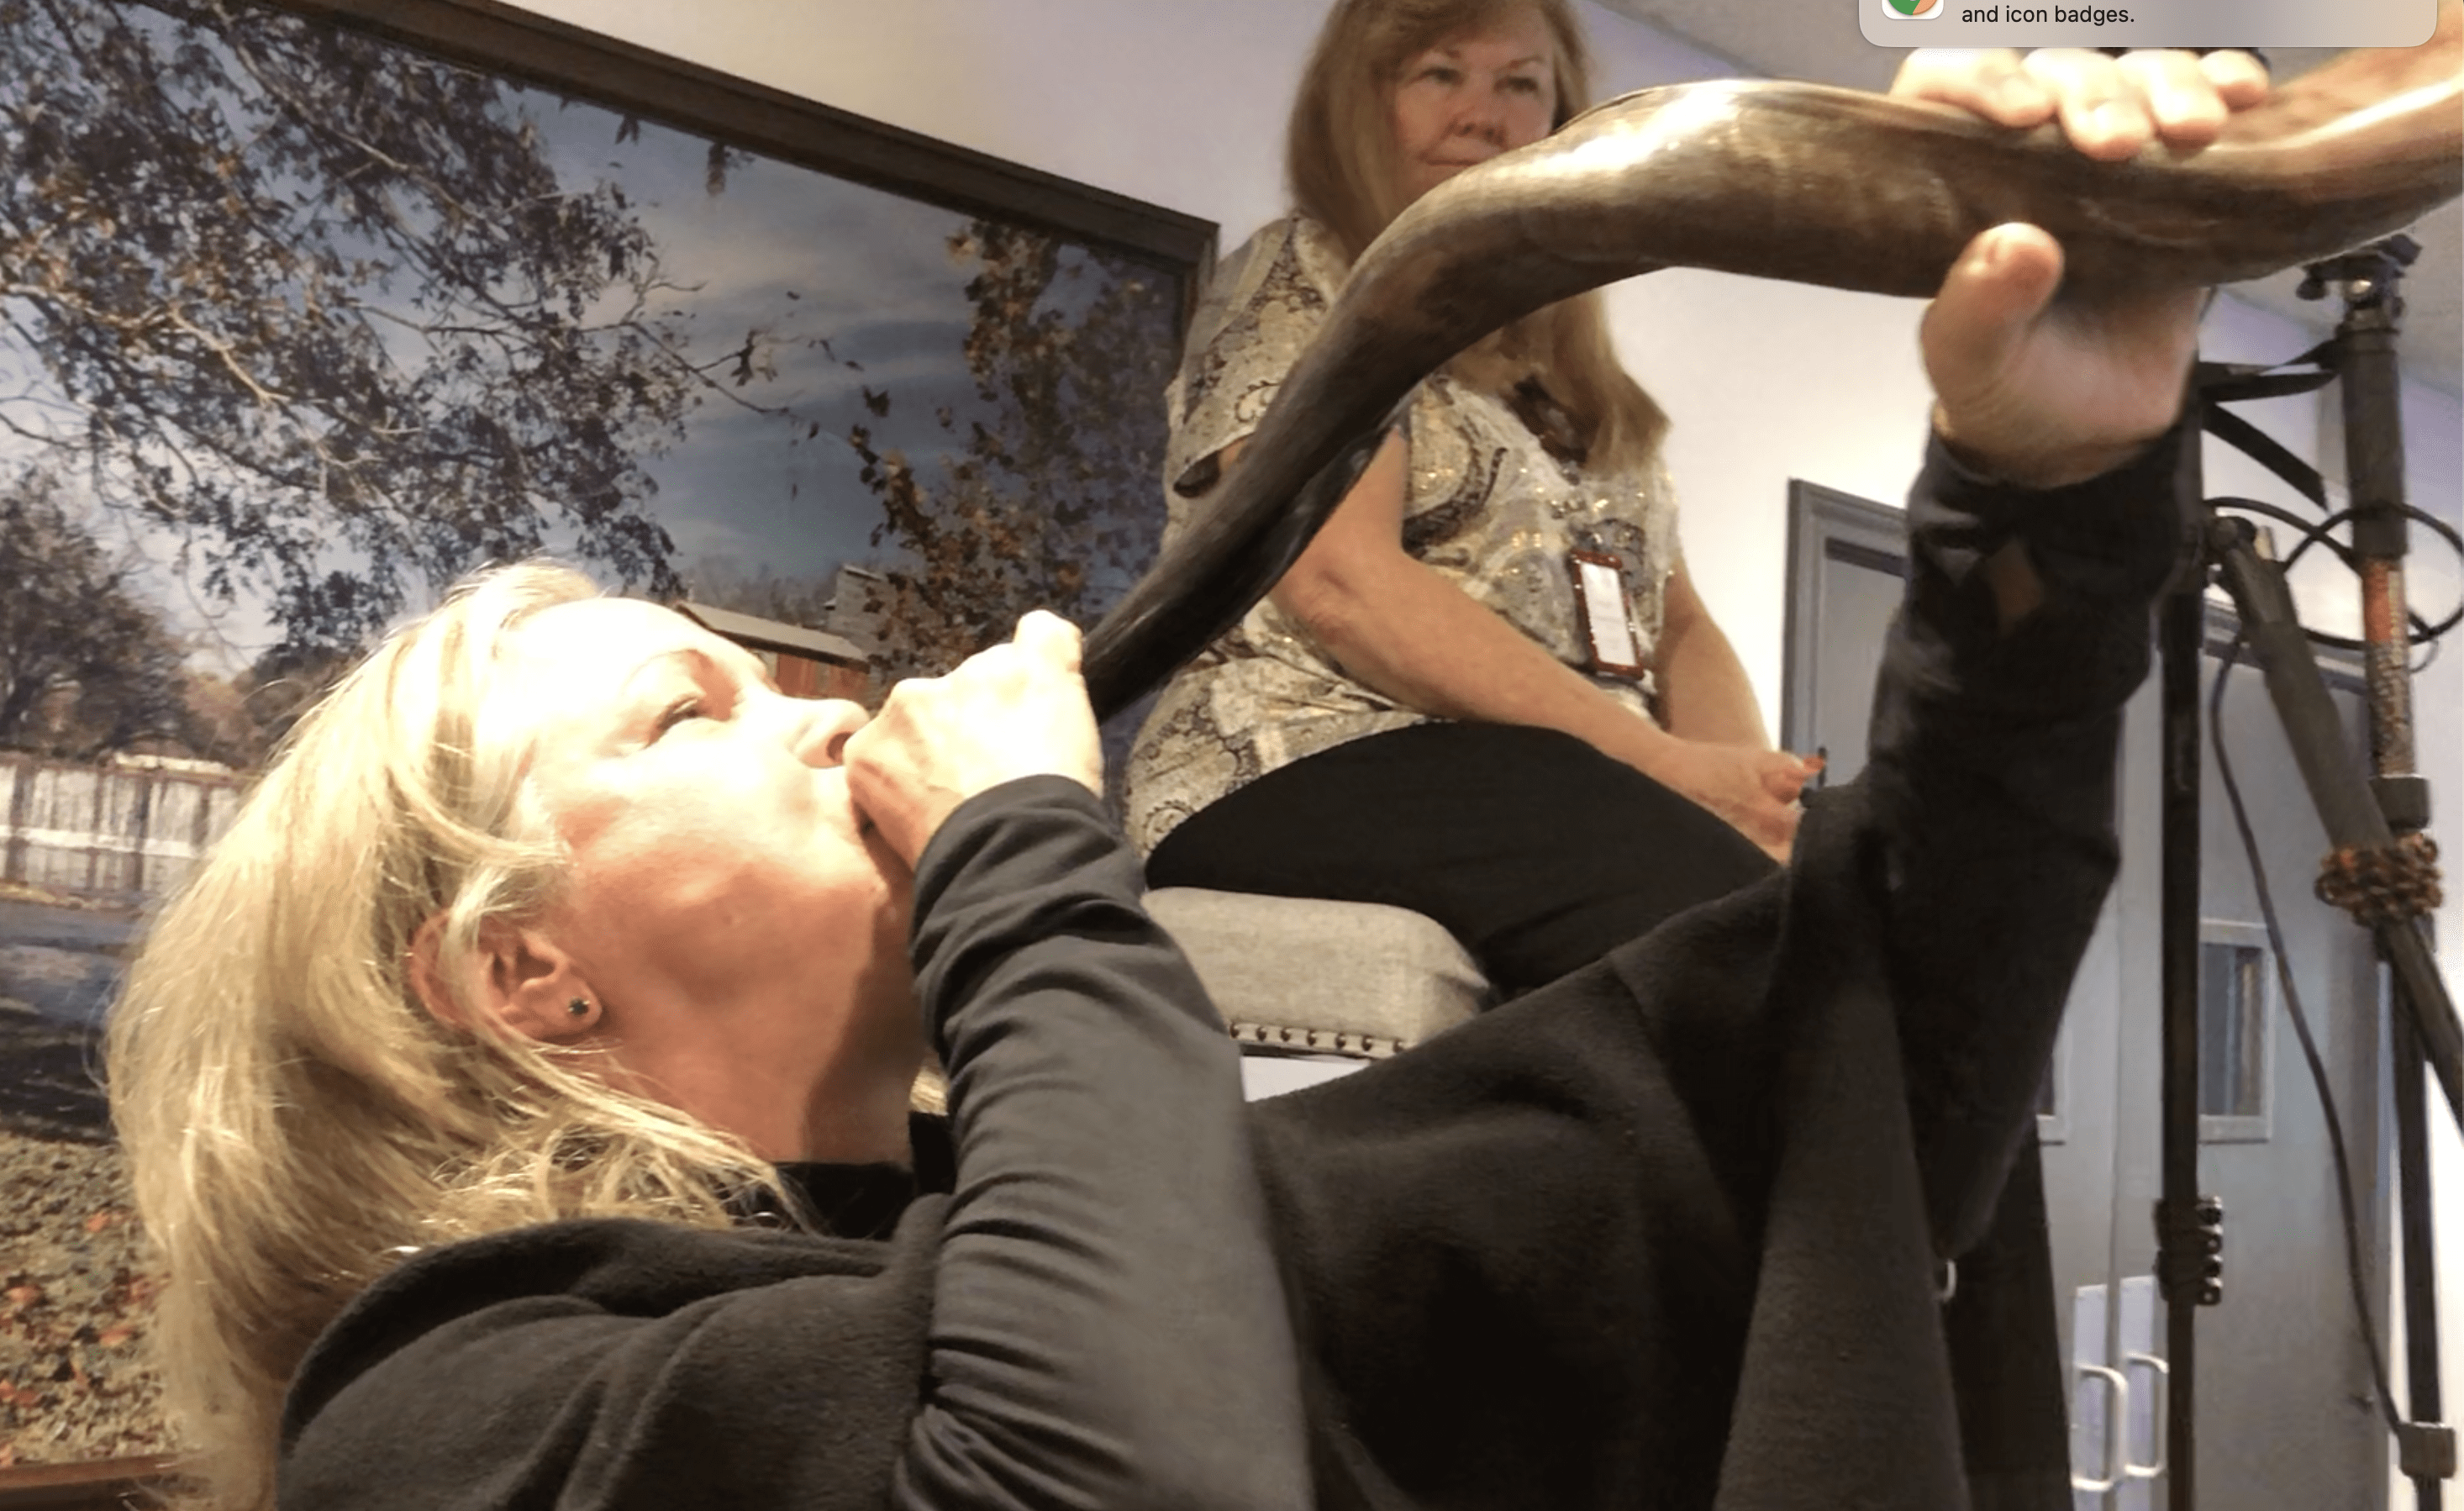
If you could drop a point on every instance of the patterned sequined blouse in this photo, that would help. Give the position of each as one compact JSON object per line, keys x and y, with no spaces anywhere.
{"x":1489,"y":507}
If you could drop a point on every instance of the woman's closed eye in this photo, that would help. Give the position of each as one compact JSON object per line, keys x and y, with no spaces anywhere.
{"x":681,"y":686}
{"x":716,"y":698}
{"x":692,"y":705}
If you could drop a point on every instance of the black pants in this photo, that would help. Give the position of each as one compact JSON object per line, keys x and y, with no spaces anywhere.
{"x":1535,"y":850}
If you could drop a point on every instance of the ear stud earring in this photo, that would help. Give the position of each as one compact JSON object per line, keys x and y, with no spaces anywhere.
{"x":579,"y":1007}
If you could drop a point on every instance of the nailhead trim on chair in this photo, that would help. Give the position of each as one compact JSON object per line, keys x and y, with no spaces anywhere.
{"x":1323,"y":1041}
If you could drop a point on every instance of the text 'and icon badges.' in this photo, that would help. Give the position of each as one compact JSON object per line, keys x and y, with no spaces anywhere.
{"x":2147,"y":23}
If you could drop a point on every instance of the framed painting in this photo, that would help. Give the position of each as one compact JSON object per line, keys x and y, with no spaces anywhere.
{"x":312,"y":307}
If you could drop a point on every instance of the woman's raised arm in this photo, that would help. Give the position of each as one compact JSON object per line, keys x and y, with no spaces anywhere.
{"x":1108,"y":1326}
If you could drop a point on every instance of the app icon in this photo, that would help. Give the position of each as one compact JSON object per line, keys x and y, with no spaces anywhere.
{"x":1912,"y":9}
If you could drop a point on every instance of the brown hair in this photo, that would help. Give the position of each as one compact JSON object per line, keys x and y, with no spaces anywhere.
{"x":1339,"y":159}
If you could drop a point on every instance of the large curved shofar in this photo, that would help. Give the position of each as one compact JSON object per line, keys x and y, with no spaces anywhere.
{"x":1790,"y":181}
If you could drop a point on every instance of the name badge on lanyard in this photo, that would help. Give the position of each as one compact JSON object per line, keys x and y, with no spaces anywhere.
{"x":1606,"y":611}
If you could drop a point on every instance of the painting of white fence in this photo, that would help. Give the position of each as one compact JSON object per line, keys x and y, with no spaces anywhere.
{"x":123,"y":833}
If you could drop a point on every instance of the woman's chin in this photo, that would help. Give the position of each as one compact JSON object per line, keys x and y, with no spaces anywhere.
{"x":1433,"y":174}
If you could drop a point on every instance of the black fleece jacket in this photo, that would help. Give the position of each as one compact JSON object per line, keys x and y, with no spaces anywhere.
{"x":1661,"y":1235}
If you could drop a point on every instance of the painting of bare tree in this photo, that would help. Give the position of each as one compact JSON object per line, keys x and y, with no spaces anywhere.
{"x":298,"y":323}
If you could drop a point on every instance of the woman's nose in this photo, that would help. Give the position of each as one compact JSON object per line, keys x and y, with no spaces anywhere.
{"x":820,"y":729}
{"x":1482,"y":114}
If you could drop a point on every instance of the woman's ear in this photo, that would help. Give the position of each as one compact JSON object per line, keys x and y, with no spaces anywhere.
{"x":518,"y":976}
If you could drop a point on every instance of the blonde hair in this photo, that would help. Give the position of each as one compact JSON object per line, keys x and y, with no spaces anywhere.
{"x":295,"y":1119}
{"x":1340,"y":161}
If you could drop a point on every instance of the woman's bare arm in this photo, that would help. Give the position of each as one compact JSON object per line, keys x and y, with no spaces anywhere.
{"x":1404,"y":630}
{"x":1703,"y":689}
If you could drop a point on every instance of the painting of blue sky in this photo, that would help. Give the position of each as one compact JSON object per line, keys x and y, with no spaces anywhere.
{"x":317,"y":324}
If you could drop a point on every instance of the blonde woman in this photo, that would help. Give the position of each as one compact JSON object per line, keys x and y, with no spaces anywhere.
{"x":520,"y":1093}
{"x":1488,"y":692}
{"x":558,"y":909}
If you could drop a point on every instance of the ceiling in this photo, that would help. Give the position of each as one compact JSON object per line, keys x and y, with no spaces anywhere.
{"x":1821,"y":41}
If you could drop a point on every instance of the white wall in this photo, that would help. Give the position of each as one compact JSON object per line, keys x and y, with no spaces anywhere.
{"x":1181,"y":102}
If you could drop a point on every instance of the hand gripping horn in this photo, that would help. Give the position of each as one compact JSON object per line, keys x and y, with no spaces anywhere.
{"x":1776,"y":180}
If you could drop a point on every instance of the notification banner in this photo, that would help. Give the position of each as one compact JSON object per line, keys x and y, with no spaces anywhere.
{"x":2147,"y":23}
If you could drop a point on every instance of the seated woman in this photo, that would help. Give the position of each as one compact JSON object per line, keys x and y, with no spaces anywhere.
{"x":519,"y":1093}
{"x":1499,"y":607}
{"x":1488,"y":692}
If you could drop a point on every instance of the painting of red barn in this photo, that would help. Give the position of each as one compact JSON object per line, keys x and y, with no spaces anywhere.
{"x":805,"y":663}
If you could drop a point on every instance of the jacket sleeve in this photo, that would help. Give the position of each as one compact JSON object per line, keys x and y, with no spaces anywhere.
{"x":1992,"y":781}
{"x":1107,"y":1323}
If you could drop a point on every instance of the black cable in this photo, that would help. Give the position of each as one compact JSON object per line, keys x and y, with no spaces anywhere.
{"x":2316,"y":534}
{"x":2309,"y":1045}
{"x":2422,"y":632}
